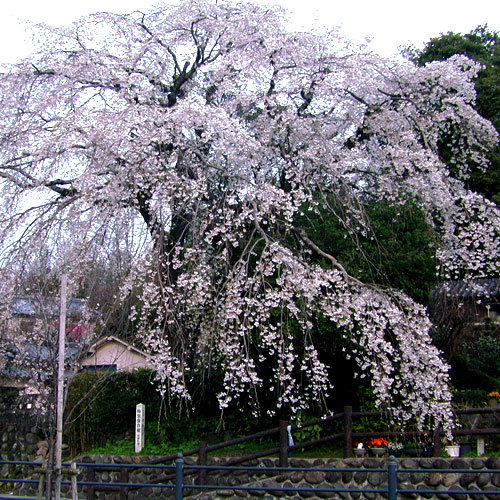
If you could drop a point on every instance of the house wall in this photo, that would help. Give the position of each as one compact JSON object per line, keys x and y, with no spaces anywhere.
{"x":114,"y":353}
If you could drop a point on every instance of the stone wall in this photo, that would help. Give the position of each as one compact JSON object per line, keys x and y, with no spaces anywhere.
{"x":338,"y":478}
{"x":18,"y":442}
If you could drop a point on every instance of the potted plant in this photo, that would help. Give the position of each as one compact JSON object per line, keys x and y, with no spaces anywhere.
{"x":377,"y":446}
{"x":359,"y":451}
{"x":493,"y":398}
{"x":395,"y":448}
{"x":452,"y":449}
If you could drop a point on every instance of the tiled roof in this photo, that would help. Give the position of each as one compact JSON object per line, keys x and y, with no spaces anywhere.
{"x":47,"y":306}
{"x":477,"y":288}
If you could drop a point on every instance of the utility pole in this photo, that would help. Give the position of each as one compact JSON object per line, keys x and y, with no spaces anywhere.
{"x":60,"y":385}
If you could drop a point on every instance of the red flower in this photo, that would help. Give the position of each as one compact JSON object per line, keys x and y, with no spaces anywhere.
{"x":377,"y":443}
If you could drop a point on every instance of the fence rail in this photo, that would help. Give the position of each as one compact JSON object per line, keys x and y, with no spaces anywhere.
{"x":348,"y":436}
{"x":389,"y":487}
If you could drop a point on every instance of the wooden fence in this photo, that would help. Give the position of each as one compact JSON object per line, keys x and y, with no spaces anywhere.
{"x":348,"y":436}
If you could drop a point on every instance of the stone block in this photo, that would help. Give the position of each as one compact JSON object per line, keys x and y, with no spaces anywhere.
{"x":326,"y":494}
{"x":347,"y":476}
{"x":314,"y":477}
{"x":459,"y":463}
{"x":373,"y":463}
{"x":404,"y":476}
{"x":468,"y":478}
{"x":450,"y":479}
{"x":233,"y":481}
{"x":477,"y":463}
{"x":360,"y":477}
{"x":355,"y":494}
{"x":406,"y":486}
{"x":457,"y":496}
{"x":425,"y":463}
{"x":483,"y":479}
{"x":225,"y":493}
{"x":492,"y":489}
{"x":306,"y":494}
{"x":425,"y":487}
{"x":476,"y":496}
{"x":376,"y":478}
{"x":493,"y":463}
{"x":495,"y":479}
{"x":432,"y":479}
{"x":440,"y":463}
{"x":409,"y":463}
{"x":297,"y":476}
{"x":333,"y":477}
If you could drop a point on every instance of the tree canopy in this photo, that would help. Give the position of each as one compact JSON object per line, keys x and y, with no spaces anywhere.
{"x":482,"y":46}
{"x":200,"y":137}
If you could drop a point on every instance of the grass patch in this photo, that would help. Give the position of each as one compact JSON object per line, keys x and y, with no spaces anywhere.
{"x":126,"y":447}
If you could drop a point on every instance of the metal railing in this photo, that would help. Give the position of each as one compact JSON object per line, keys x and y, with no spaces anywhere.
{"x":180,"y":469}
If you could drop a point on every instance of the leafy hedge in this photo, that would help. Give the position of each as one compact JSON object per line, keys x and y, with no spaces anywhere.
{"x":101,"y":407}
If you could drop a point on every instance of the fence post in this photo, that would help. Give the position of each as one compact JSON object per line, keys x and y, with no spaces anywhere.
{"x":124,"y":477}
{"x":41,"y":482}
{"x":74,"y":482}
{"x":179,"y":477}
{"x":202,"y":460}
{"x":392,"y":478}
{"x":436,"y":438}
{"x":347,"y":431}
{"x":283,"y":444}
{"x":91,"y":487}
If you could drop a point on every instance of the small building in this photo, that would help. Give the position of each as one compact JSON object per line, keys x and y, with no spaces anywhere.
{"x":113,"y":354}
{"x":475,"y":303}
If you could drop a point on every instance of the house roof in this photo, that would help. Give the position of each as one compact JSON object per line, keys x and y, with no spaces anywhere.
{"x":34,"y":355}
{"x":47,"y":306}
{"x":109,"y":339}
{"x":472,"y":289}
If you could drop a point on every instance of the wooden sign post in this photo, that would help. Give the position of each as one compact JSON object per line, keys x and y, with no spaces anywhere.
{"x":140,"y":418}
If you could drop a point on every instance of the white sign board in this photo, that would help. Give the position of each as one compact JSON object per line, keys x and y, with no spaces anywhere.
{"x":140,"y":418}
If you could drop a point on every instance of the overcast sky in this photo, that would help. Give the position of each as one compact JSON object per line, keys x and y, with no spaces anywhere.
{"x":389,"y":23}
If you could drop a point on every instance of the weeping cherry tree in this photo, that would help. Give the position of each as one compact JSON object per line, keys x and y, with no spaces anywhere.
{"x":196,"y":136}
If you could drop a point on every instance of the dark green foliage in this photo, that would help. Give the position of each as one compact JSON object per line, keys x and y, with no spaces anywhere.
{"x":102,"y":406}
{"x":399,"y":252}
{"x":482,"y":46}
{"x":470,"y":398}
{"x":101,"y":409}
{"x":477,"y":364}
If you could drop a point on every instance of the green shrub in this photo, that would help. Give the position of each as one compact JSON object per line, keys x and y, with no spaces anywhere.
{"x":101,"y":406}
